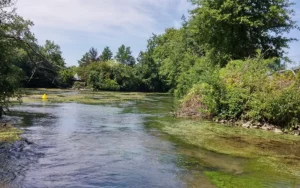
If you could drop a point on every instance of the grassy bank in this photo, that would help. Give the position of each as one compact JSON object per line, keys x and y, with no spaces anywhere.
{"x":278,"y":156}
{"x":8,"y":133}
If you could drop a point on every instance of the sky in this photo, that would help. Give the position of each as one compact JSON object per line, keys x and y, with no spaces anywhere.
{"x":78,"y":25}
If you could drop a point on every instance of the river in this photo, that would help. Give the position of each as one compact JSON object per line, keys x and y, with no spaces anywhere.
{"x":79,"y":145}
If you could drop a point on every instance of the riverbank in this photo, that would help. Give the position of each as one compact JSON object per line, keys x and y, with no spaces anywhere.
{"x":8,"y":133}
{"x":267,"y":153}
{"x":191,"y":109}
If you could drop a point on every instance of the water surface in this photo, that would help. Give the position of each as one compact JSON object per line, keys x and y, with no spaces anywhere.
{"x":79,"y":145}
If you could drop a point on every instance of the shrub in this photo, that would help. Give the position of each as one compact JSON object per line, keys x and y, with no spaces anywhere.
{"x":78,"y":85}
{"x":205,"y":97}
{"x":111,"y":76}
{"x":110,"y":85}
{"x":250,"y":90}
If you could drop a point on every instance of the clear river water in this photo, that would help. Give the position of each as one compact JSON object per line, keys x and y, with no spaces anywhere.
{"x":78,"y":145}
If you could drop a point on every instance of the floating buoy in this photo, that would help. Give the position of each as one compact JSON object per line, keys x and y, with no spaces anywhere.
{"x":45,"y":96}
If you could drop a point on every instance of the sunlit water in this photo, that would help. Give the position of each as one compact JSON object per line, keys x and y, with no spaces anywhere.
{"x":77,"y":145}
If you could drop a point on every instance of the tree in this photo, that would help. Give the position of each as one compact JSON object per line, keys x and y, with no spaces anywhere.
{"x":21,"y":58}
{"x":111,"y":76}
{"x":53,"y":53}
{"x":170,"y":53}
{"x":84,"y":61}
{"x":148,"y":69}
{"x":14,"y":35}
{"x":10,"y":75}
{"x":106,"y":54}
{"x":235,"y":29}
{"x":89,"y":57}
{"x":41,"y":65}
{"x":93,"y":54}
{"x":66,"y":75}
{"x":124,"y":56}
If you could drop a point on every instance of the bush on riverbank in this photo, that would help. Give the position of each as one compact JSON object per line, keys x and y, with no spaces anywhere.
{"x":250,"y":90}
{"x":110,"y":76}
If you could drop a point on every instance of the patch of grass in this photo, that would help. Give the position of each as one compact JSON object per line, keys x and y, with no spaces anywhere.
{"x":8,"y":133}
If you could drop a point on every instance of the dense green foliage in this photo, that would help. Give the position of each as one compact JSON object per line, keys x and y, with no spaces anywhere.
{"x":148,"y":70}
{"x":250,"y":90}
{"x":24,"y":63}
{"x":106,"y":54}
{"x":111,"y":76}
{"x":41,"y":64}
{"x":213,"y":56}
{"x":122,"y":74}
{"x":124,"y":56}
{"x":235,"y":29}
{"x":89,"y":57}
{"x":226,"y":56}
{"x":13,"y":29}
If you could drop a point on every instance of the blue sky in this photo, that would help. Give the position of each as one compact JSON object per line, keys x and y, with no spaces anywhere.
{"x":78,"y":25}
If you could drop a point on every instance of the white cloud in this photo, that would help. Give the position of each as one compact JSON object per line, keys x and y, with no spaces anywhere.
{"x":77,"y":25}
{"x":104,"y":16}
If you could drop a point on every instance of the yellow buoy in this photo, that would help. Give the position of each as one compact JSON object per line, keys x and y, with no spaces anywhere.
{"x":45,"y":96}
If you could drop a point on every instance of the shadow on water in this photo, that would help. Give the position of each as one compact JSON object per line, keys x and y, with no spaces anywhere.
{"x":115,"y":145}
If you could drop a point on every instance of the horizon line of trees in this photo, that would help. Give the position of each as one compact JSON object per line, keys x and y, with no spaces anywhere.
{"x":123,"y":55}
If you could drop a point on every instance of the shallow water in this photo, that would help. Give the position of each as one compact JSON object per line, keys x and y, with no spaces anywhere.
{"x":77,"y":145}
{"x":81,"y":145}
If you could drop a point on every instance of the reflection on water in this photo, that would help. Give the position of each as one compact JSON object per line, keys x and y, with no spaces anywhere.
{"x":87,"y":146}
{"x":76,"y":145}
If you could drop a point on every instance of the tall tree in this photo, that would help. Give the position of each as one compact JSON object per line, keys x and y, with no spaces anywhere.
{"x":93,"y":54}
{"x":85,"y":60}
{"x":53,"y":53}
{"x":41,"y":64}
{"x":124,"y":56}
{"x":47,"y":65}
{"x":235,"y":29}
{"x":106,"y":54}
{"x":170,"y":53}
{"x":148,"y":69}
{"x":89,"y":57}
{"x":14,"y":35}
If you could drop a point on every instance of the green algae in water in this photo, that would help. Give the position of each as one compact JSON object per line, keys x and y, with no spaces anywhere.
{"x":83,"y":97}
{"x":228,"y":180}
{"x":265,"y":159}
{"x":9,"y":134}
{"x":225,"y":180}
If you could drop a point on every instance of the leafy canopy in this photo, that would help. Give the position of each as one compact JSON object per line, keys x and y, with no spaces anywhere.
{"x":235,"y":29}
{"x":106,"y":54}
{"x":124,"y":56}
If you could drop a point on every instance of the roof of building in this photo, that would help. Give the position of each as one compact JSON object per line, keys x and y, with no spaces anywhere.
{"x":76,"y":77}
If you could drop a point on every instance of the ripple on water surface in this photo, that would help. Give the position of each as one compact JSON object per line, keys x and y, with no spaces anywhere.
{"x":88,"y":146}
{"x":77,"y":145}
